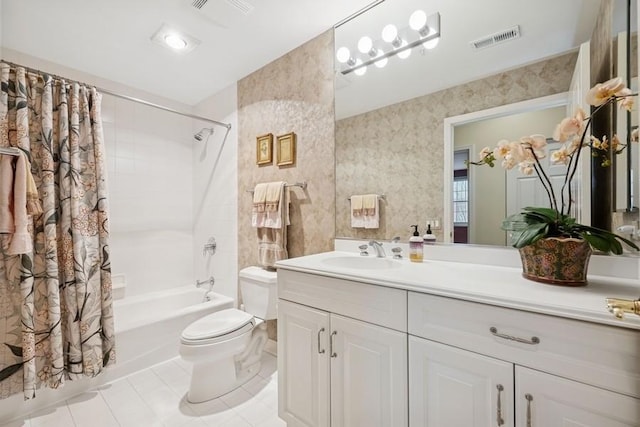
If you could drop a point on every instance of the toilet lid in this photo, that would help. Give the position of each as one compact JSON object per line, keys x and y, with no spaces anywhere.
{"x":217,"y":324}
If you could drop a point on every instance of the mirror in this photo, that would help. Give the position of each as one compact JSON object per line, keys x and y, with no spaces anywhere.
{"x":390,"y":121}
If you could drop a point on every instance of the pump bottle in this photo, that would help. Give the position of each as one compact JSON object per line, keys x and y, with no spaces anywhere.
{"x":415,"y":245}
{"x":429,"y":238}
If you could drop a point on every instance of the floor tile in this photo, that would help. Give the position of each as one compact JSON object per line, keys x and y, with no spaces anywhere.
{"x":58,"y":417}
{"x":127,"y":406}
{"x":90,"y":409}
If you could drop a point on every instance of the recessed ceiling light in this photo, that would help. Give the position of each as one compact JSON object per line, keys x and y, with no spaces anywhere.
{"x":178,"y":41}
{"x":175,"y":41}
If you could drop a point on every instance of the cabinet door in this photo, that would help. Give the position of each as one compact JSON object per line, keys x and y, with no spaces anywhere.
{"x":368,"y":375}
{"x":544,"y":400}
{"x":450,"y":387}
{"x":303,"y":365}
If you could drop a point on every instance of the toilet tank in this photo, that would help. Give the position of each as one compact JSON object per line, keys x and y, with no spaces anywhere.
{"x":258,"y":288}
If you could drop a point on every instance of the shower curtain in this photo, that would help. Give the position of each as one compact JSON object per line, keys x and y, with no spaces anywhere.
{"x":56,"y":315}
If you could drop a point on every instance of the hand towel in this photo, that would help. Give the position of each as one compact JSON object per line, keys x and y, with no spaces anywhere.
{"x":258,"y":210}
{"x":357,"y":219}
{"x":275,"y":203}
{"x":371,"y":207}
{"x":6,"y":194}
{"x":272,"y":242}
{"x":21,"y":242}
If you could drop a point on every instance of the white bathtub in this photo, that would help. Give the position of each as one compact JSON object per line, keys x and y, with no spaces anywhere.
{"x":148,"y":329}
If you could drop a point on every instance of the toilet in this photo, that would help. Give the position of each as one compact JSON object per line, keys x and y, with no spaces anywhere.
{"x":225,"y":347}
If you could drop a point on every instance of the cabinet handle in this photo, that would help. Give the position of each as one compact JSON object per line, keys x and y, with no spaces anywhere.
{"x":333,"y":353}
{"x":499,"y":418}
{"x":532,"y":341}
{"x":529,"y":399}
{"x":319,"y":332}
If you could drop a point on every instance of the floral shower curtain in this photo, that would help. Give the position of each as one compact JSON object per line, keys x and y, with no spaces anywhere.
{"x":56,"y":315}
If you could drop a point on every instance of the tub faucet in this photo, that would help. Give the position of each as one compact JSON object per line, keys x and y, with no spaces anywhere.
{"x":209,"y":282}
{"x":378,"y":247}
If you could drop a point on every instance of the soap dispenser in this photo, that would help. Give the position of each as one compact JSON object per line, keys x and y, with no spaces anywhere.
{"x":415,"y":245}
{"x":429,"y":238}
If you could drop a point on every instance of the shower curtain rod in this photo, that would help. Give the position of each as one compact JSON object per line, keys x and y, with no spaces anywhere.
{"x":121,"y":96}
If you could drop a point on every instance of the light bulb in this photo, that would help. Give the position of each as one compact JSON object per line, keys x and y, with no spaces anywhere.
{"x":405,"y":53}
{"x":381,"y":62}
{"x":431,"y":43}
{"x":365,"y":44}
{"x":343,"y":55}
{"x":175,"y":41}
{"x":417,"y":20}
{"x":389,"y":33}
{"x":360,"y":71}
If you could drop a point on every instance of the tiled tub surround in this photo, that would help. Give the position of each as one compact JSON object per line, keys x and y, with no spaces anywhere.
{"x":148,"y":329}
{"x":459,"y":336}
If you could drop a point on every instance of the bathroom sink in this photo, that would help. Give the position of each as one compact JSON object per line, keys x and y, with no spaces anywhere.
{"x":360,"y":263}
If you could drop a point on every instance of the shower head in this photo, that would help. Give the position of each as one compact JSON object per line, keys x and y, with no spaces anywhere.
{"x":200,"y":135}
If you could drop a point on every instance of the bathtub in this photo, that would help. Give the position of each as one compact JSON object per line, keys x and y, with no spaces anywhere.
{"x":148,"y":327}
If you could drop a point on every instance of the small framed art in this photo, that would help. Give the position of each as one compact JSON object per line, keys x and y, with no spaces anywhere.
{"x":286,"y":149}
{"x":264,"y":149}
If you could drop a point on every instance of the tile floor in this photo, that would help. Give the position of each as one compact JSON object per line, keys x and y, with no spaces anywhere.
{"x":155,"y":397}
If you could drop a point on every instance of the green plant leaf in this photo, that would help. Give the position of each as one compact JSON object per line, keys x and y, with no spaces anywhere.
{"x":548,"y":213}
{"x":531,"y":234}
{"x":598,"y":242}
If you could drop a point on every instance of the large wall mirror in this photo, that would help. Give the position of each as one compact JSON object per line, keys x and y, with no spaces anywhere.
{"x":391,"y":106}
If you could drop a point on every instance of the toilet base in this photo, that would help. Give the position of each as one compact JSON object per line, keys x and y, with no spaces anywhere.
{"x":212,"y":379}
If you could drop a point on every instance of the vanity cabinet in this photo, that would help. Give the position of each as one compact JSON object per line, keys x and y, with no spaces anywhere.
{"x":477,"y":365}
{"x":345,"y":366}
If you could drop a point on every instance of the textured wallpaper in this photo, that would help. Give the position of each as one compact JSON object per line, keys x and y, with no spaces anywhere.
{"x":292,"y":94}
{"x":398,"y":150}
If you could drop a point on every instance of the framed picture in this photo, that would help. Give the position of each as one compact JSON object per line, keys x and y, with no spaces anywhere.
{"x":286,"y":149}
{"x":264,"y":149}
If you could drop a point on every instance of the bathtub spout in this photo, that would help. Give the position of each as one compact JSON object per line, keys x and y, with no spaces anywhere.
{"x":210,"y":282}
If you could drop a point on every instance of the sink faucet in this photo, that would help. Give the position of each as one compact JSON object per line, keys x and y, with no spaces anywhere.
{"x":378,"y":247}
{"x":618,"y":307}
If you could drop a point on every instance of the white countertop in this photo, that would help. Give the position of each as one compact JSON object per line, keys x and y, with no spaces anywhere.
{"x":500,"y":286}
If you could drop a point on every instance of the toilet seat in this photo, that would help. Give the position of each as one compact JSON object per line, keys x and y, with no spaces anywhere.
{"x":219,"y":326}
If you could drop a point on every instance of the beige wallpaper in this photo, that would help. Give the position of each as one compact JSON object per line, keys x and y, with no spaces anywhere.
{"x":398,"y":150}
{"x":292,"y":94}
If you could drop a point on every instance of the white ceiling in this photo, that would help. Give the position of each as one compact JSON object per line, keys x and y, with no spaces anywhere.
{"x":111,"y":39}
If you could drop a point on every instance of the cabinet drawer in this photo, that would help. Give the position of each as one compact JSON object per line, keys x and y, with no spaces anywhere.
{"x":604,"y":356}
{"x":375,"y":304}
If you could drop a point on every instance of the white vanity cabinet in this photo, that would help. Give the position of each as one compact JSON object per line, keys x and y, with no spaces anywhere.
{"x":342,"y":352}
{"x":478,"y":365}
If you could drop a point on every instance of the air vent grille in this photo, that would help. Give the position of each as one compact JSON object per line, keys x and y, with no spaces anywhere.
{"x":241,"y":5}
{"x":198,"y":3}
{"x":497,"y":38}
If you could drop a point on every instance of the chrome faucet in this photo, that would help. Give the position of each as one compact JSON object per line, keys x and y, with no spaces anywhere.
{"x":378,"y":247}
{"x":209,"y":282}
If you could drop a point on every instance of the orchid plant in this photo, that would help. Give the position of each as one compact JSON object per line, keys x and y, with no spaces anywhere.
{"x":535,"y":223}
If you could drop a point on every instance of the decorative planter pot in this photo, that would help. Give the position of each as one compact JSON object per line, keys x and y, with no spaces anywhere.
{"x":557,"y":261}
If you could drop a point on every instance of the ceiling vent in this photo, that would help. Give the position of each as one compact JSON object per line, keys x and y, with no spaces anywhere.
{"x":240,"y":5}
{"x":496,"y":38}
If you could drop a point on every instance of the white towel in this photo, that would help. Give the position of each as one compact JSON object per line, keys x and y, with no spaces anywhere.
{"x":277,"y":205}
{"x":357,"y":217}
{"x":272,"y":241}
{"x":258,"y":210}
{"x":21,"y":241}
{"x":371,"y":206}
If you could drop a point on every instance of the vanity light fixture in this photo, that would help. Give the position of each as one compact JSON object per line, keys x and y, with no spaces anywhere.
{"x":423,"y":30}
{"x":174,"y":39}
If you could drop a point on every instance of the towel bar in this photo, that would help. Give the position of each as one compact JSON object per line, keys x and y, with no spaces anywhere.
{"x":302,"y":185}
{"x":381,"y":196}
